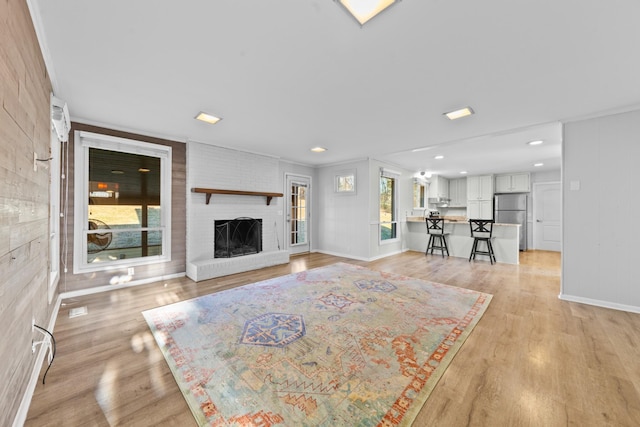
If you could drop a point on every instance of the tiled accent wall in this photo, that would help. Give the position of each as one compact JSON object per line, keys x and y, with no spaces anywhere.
{"x":222,"y":168}
{"x":24,"y":202}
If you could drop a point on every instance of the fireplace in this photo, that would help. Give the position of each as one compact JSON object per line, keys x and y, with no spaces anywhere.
{"x":237,"y":237}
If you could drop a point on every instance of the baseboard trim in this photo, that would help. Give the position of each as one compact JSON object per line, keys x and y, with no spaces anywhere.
{"x":107,"y":288}
{"x":23,"y":410}
{"x":340,"y":255}
{"x":600,"y":303}
{"x":357,"y":258}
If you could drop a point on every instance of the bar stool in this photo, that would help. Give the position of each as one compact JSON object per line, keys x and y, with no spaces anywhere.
{"x":481,"y":231}
{"x":437,"y":236}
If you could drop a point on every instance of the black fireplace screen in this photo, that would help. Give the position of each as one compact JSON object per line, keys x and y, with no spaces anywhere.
{"x":237,"y":237}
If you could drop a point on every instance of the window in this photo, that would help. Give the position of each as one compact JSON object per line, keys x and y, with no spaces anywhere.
{"x":122,"y":202}
{"x":346,"y":182}
{"x":388,"y":214}
{"x":419,"y":194}
{"x":298,"y":214}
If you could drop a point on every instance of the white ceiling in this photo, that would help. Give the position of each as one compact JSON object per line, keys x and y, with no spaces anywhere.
{"x":288,"y":75}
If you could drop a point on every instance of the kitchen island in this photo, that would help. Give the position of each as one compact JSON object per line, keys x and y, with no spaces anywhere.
{"x":506,"y":240}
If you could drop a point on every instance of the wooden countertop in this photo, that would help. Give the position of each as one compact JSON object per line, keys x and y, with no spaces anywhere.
{"x":455,"y":221}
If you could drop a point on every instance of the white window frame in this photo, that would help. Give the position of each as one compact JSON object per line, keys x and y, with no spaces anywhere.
{"x":85,"y":140}
{"x":54,"y":214}
{"x":424,"y":188}
{"x":342,"y":175}
{"x":388,"y":173}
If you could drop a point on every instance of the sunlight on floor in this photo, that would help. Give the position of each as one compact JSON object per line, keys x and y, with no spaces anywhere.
{"x":298,"y":263}
{"x":166,"y":298}
{"x":155,"y":360}
{"x":106,"y":393}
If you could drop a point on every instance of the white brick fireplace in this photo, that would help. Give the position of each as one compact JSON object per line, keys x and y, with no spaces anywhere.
{"x":220,"y":168}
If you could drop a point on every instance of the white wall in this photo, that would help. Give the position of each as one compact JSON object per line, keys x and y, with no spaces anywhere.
{"x":215,"y":167}
{"x":600,"y":178}
{"x":342,"y":218}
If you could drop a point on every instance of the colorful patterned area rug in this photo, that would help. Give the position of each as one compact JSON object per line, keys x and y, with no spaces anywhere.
{"x":334,"y":346}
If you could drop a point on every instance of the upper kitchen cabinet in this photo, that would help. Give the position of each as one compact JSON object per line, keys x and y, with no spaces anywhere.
{"x":513,"y":183}
{"x":480,"y":187}
{"x":458,"y":192}
{"x":439,"y":187}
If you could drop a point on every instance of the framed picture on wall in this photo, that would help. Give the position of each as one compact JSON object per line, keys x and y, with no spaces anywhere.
{"x":345,"y":182}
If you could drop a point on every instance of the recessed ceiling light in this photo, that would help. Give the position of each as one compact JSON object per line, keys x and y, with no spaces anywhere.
{"x":204,"y":117}
{"x":364,"y":10}
{"x":117,"y":172}
{"x":457,"y":114}
{"x":536,"y":142}
{"x":318,"y":149}
{"x":439,"y":157}
{"x":538,"y":165}
{"x":144,"y":170}
{"x":463,"y":172}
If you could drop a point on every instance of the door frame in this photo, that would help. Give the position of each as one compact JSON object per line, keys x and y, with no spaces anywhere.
{"x":535,"y":227}
{"x":287,"y":195}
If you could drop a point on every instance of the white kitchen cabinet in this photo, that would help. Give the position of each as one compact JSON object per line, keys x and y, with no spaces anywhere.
{"x":458,"y":192}
{"x":480,"y":209}
{"x":479,"y":187}
{"x":513,"y":183}
{"x":439,"y":187}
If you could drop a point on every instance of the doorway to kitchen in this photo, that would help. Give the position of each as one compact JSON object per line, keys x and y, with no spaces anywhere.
{"x":298,"y":214}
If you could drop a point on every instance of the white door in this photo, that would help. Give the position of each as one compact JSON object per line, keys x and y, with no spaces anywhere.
{"x":298,"y":214}
{"x":547,"y":213}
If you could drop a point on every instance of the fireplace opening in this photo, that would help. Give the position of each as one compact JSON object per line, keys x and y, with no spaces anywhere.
{"x":237,"y":237}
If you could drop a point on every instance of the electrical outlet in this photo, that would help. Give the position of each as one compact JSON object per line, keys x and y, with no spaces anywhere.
{"x":35,"y":161}
{"x":130,"y":271}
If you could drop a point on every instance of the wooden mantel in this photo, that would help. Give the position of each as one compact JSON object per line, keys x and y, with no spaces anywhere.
{"x":210,"y":191}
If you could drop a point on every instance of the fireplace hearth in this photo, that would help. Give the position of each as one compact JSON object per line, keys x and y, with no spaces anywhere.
{"x":237,"y":237}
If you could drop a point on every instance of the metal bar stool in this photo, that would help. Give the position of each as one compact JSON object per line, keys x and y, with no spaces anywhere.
{"x":437,"y":236}
{"x":481,"y":231}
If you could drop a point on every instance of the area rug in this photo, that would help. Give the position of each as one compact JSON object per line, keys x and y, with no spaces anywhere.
{"x":340,"y":345}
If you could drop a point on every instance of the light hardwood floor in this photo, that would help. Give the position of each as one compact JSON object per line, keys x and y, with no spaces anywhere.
{"x":532,"y":360}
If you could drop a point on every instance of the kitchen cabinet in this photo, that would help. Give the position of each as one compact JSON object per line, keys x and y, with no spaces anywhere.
{"x":480,"y":209}
{"x":439,"y":187}
{"x":479,"y":187}
{"x":458,"y":192}
{"x":513,"y":183}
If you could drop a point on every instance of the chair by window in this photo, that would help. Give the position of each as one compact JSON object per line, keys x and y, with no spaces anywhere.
{"x":437,"y":236}
{"x":481,"y":231}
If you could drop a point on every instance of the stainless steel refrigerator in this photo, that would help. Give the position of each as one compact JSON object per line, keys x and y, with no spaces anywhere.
{"x":512,"y":209}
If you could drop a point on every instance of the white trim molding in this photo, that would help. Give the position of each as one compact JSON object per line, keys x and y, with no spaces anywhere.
{"x":23,"y":410}
{"x":600,"y":303}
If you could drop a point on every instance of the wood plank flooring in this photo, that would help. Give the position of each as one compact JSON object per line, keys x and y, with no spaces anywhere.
{"x":532,"y":360}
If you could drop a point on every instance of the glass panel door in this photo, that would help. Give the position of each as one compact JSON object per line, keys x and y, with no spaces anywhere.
{"x":298,"y":214}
